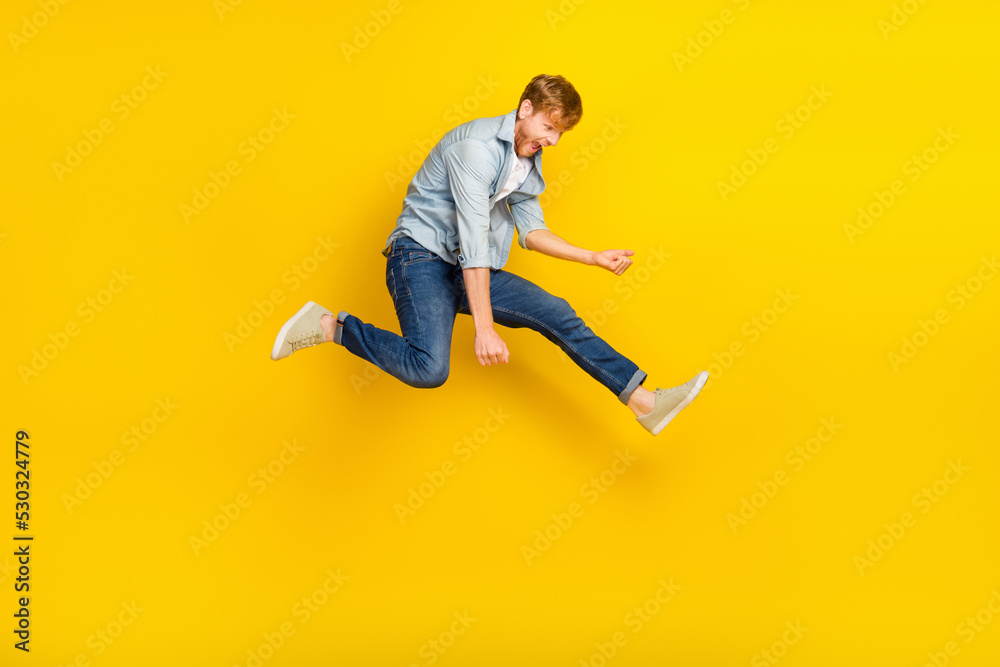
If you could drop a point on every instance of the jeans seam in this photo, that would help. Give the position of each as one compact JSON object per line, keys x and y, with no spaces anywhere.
{"x":402,"y":277}
{"x":395,"y":287}
{"x":408,"y":295}
{"x":556,"y":334}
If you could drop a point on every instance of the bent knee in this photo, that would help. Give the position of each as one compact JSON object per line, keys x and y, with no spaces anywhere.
{"x":431,"y":381}
{"x":432,"y":374}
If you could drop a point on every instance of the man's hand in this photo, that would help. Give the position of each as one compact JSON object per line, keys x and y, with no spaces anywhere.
{"x":615,"y":261}
{"x":547,"y":243}
{"x":490,"y":348}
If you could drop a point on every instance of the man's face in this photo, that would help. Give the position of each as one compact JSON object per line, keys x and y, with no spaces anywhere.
{"x":534,"y":131}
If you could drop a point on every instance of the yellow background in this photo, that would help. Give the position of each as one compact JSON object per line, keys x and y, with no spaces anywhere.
{"x":368,"y":438}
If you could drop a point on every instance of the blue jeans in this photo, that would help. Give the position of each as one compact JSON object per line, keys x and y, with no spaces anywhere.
{"x":428,"y":292}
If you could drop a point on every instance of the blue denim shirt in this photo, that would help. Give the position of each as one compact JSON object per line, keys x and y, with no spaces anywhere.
{"x":447,"y":204}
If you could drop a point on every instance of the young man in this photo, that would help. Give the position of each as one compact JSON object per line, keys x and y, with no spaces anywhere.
{"x":445,"y":255}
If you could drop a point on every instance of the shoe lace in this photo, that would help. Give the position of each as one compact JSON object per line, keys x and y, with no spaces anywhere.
{"x":307,"y":340}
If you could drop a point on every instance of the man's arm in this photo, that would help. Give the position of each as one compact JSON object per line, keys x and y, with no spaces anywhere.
{"x":547,"y":243}
{"x":467,"y":164}
{"x":490,"y":348}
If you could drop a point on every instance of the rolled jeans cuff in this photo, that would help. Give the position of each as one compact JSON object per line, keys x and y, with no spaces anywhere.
{"x":636,"y":380}
{"x":338,"y":332}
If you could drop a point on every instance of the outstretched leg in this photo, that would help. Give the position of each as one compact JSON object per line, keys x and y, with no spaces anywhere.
{"x":518,"y":303}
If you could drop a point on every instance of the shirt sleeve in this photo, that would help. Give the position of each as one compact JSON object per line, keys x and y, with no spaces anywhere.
{"x":527,"y":217}
{"x":468,"y":164}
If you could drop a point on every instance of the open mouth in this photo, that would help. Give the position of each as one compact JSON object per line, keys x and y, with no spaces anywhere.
{"x":535,"y":145}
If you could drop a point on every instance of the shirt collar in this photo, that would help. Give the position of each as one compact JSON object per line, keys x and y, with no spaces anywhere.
{"x":507,"y":127}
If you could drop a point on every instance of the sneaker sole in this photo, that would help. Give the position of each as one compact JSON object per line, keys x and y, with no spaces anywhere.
{"x":702,"y":378}
{"x":276,"y":348}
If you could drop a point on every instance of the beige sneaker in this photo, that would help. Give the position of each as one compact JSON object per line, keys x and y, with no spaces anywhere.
{"x":669,"y":402}
{"x":302,"y":330}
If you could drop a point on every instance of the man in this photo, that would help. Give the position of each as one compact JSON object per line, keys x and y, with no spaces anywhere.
{"x":479,"y":184}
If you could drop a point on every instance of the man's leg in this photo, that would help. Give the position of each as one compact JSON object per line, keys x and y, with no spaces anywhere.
{"x":422,"y":288}
{"x":519,"y":303}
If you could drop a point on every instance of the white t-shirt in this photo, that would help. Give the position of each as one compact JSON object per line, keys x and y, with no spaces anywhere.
{"x":516,"y":178}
